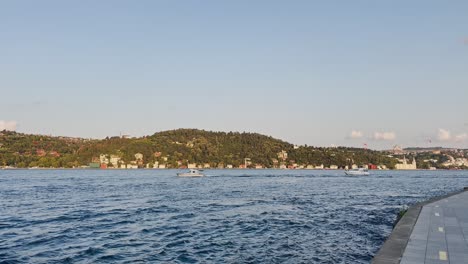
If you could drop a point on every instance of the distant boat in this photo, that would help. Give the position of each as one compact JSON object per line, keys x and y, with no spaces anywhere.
{"x":357,"y":172}
{"x":191,"y":173}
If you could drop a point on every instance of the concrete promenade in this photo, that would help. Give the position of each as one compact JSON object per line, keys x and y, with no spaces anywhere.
{"x":432,"y":232}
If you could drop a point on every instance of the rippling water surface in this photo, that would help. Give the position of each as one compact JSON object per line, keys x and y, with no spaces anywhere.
{"x":230,"y":216}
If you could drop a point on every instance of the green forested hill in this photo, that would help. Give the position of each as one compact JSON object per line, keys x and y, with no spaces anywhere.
{"x":174,"y":148}
{"x":218,"y":147}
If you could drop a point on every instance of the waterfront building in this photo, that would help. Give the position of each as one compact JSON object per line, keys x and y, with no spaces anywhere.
{"x":115,"y":160}
{"x":94,"y":165}
{"x":405,"y":165}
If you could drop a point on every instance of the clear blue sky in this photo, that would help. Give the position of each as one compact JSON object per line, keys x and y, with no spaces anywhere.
{"x":308,"y":72}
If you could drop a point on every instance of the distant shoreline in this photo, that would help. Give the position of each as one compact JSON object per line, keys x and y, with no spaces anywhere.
{"x":233,"y":169}
{"x":194,"y":148}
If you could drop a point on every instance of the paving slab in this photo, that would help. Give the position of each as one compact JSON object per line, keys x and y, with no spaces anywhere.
{"x":435,"y":231}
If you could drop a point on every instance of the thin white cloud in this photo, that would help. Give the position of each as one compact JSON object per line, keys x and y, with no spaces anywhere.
{"x":461,"y":137}
{"x":384,"y":136}
{"x":7,"y":125}
{"x":444,"y":135}
{"x":356,"y":134}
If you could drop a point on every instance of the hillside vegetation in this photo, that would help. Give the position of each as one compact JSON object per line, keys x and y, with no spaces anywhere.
{"x":177,"y":148}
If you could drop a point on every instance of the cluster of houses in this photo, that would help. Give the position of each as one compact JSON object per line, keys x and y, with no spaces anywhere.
{"x":114,"y":161}
{"x":105,"y":161}
{"x":404,"y":165}
{"x":458,"y":159}
{"x":455,"y":162}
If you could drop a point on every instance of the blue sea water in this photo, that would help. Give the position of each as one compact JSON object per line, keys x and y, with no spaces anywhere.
{"x":230,"y":216}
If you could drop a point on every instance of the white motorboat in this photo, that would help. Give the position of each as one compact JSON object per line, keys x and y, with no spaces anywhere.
{"x":357,"y":172}
{"x":191,"y":173}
